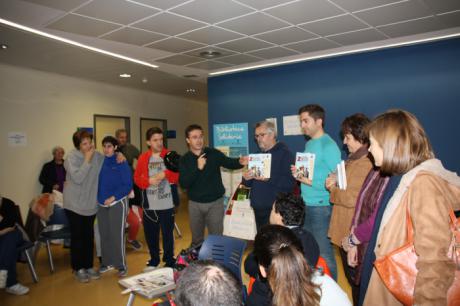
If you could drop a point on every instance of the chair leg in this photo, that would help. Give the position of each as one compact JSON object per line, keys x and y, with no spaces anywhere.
{"x":31,"y":266}
{"x":50,"y":256}
{"x":177,"y":230}
{"x":131,"y":299}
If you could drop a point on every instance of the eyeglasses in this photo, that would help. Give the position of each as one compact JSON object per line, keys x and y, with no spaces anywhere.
{"x":259,"y":135}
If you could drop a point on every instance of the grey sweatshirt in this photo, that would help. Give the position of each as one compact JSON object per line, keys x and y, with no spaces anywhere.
{"x":80,"y":188}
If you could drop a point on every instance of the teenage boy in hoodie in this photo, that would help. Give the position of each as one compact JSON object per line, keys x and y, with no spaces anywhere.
{"x":154,"y":180}
{"x":264,"y":191}
{"x":115,"y":183}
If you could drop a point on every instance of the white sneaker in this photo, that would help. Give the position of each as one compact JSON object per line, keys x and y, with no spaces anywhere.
{"x":17,"y":289}
{"x":149,"y":268}
{"x":3,"y":277}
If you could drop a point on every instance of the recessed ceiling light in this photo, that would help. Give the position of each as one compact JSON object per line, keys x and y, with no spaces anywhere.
{"x":125,"y":75}
{"x":74,"y":43}
{"x":190,"y":90}
{"x":3,"y":46}
{"x":210,"y":54}
{"x":145,"y":80}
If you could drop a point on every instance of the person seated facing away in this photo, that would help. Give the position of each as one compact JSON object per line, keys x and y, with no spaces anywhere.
{"x":291,"y":280}
{"x":10,"y":240}
{"x":52,"y":176}
{"x":206,"y":283}
{"x":288,"y":210}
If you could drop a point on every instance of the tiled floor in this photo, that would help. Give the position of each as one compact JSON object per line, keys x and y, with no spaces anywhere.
{"x":61,"y":289}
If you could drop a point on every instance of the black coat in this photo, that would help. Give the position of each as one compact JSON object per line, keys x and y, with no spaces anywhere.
{"x":48,"y":177}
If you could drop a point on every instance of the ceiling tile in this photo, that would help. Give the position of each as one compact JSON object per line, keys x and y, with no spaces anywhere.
{"x":450,"y":19}
{"x":82,"y":25}
{"x":356,"y":5}
{"x":209,"y":65}
{"x":312,"y":45}
{"x":262,"y":4}
{"x":169,"y":24}
{"x":357,"y":37}
{"x":239,"y":59}
{"x":179,"y":59}
{"x":175,"y":45}
{"x":305,"y":10}
{"x":212,"y":11}
{"x":441,"y":6}
{"x":222,"y":52}
{"x":253,"y":24}
{"x":286,"y":35}
{"x":161,"y":4}
{"x":119,"y":11}
{"x":211,"y":35}
{"x":274,"y":52}
{"x":334,"y":25}
{"x":133,"y":36}
{"x":245,"y":45}
{"x":394,"y":13}
{"x":59,"y":4}
{"x":413,"y":27}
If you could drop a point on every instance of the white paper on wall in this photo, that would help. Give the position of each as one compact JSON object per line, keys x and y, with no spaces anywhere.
{"x":291,"y":125}
{"x":17,"y":139}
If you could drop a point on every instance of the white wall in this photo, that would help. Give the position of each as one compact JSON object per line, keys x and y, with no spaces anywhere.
{"x":49,"y":107}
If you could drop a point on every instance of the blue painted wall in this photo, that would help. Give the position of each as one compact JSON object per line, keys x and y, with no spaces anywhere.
{"x":423,"y":79}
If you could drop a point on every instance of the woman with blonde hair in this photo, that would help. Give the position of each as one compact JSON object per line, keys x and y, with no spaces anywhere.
{"x":421,"y":186}
{"x":290,"y":278}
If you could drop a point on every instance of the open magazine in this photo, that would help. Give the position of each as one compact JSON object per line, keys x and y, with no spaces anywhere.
{"x":151,"y":284}
{"x":305,"y":165}
{"x":260,"y":165}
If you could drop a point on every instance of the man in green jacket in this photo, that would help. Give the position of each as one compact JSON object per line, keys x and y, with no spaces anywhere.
{"x":199,"y":174}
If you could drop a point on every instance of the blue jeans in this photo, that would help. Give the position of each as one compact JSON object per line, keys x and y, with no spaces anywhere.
{"x":317,"y":222}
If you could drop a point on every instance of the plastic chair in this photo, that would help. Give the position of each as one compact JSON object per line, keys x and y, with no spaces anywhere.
{"x":27,"y":249}
{"x":56,"y":228}
{"x":225,"y":250}
{"x":322,"y":265}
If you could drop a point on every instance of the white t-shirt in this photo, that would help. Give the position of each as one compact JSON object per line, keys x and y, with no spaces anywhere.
{"x":331,"y":293}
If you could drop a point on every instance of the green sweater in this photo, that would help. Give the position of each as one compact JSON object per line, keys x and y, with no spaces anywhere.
{"x":205,"y":185}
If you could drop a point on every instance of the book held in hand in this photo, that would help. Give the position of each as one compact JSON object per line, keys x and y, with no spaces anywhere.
{"x":260,"y":165}
{"x":305,"y":165}
{"x":341,"y":176}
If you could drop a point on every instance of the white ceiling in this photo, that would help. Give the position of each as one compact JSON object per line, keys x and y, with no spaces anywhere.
{"x":172,"y":33}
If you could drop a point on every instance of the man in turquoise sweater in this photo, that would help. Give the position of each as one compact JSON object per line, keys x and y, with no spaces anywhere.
{"x":199,"y":174}
{"x":314,"y":192}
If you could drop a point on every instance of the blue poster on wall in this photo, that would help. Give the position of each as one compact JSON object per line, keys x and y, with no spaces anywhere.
{"x":231,"y":138}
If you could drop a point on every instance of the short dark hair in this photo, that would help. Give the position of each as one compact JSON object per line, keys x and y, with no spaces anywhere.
{"x":355,"y":125}
{"x":79,"y":135}
{"x":110,"y":139}
{"x":291,"y":207}
{"x":192,"y":127}
{"x":315,"y":111}
{"x":206,"y":283}
{"x":153,"y":130}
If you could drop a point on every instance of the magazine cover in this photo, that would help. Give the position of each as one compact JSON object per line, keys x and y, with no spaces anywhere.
{"x":305,"y":165}
{"x":151,"y":284}
{"x":260,"y":164}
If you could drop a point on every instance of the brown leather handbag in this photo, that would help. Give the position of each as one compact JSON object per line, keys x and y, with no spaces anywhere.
{"x":398,"y":271}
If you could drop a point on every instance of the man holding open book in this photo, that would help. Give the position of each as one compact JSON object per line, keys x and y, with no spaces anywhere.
{"x":264,"y":188}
